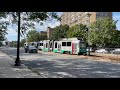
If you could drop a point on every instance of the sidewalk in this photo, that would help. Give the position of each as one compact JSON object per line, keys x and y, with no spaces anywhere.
{"x":8,"y":70}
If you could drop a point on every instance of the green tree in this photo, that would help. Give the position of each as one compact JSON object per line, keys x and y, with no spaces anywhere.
{"x":115,"y":39}
{"x":34,"y":35}
{"x":28,"y":19}
{"x":42,"y":37}
{"x":13,"y":44}
{"x":1,"y":44}
{"x":60,"y":32}
{"x":3,"y":27}
{"x":77,"y":31}
{"x":22,"y":42}
{"x":102,"y":32}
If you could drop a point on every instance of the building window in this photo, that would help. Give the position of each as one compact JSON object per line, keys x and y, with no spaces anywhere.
{"x":76,"y":20}
{"x":105,"y":14}
{"x":87,"y":21}
{"x":73,"y":19}
{"x":102,"y":14}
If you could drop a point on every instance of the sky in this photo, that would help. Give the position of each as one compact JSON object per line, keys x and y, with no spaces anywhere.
{"x":12,"y":34}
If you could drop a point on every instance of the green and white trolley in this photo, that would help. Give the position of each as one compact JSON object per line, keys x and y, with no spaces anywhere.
{"x":70,"y":45}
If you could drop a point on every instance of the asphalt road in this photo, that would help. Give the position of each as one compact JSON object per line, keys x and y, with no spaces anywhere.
{"x":53,"y":65}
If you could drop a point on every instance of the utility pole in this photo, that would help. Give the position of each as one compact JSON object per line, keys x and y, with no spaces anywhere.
{"x":88,"y":15}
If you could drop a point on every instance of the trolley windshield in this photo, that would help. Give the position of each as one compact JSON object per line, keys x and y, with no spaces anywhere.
{"x":82,"y":44}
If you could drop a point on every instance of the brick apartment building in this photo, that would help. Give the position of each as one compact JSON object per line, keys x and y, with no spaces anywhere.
{"x":43,"y":32}
{"x":72,"y":18}
{"x":49,"y":32}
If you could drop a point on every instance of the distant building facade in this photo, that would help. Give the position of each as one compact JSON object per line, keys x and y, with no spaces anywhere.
{"x":49,"y":32}
{"x":43,"y":32}
{"x":72,"y":18}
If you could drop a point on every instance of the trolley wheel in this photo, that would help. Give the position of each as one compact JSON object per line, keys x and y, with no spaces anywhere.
{"x":84,"y":54}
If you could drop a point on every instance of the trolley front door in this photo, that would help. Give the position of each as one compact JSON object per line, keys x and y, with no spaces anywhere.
{"x":44,"y":46}
{"x":73,"y":48}
{"x":59,"y":47}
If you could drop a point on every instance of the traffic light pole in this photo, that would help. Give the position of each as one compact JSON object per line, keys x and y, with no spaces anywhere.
{"x":88,"y":15}
{"x":89,"y":38}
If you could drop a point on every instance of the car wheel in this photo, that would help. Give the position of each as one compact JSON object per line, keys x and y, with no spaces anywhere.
{"x":103,"y":52}
{"x":25,"y":51}
{"x":84,"y":54}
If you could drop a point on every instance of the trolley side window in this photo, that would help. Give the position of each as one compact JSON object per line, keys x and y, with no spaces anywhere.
{"x":32,"y":44}
{"x":68,"y":43}
{"x":39,"y":44}
{"x":63,"y":43}
{"x":55,"y":44}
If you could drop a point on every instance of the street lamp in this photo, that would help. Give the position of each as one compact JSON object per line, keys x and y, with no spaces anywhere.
{"x":88,"y":14}
{"x":17,"y":61}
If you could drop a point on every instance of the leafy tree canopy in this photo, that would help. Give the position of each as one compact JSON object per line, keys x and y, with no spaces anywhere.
{"x":103,"y":32}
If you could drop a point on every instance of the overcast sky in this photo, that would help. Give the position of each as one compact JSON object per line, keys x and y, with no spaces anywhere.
{"x":12,"y":34}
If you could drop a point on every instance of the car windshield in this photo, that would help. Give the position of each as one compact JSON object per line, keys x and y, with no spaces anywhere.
{"x":32,"y":46}
{"x":26,"y":46}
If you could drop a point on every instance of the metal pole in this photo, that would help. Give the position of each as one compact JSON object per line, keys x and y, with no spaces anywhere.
{"x":89,"y":37}
{"x":17,"y":62}
{"x":26,"y":39}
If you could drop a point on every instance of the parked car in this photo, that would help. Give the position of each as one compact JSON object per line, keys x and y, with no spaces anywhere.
{"x":102,"y":51}
{"x":30,"y":49}
{"x":116,"y":51}
{"x":91,"y":49}
{"x":26,"y":48}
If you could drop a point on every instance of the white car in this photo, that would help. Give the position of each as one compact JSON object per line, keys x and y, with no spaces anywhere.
{"x":33,"y":49}
{"x":101,"y":51}
{"x":116,"y":51}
